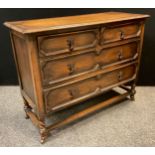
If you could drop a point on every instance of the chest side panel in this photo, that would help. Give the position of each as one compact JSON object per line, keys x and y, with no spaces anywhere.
{"x":23,"y":64}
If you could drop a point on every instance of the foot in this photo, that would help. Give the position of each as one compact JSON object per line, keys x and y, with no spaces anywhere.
{"x":27,"y":117}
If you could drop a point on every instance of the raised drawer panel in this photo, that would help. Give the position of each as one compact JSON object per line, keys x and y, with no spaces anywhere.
{"x":89,"y":62}
{"x":112,"y":34}
{"x":66,"y":43}
{"x":68,"y":93}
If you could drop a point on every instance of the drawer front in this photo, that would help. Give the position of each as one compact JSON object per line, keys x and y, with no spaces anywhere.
{"x":92,"y":85}
{"x":89,"y":62}
{"x":66,"y":43}
{"x":112,"y":34}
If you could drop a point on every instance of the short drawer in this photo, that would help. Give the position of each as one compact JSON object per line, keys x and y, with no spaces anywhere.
{"x":61,"y":97}
{"x":62,"y":69}
{"x":120,"y":32}
{"x":53,"y":45}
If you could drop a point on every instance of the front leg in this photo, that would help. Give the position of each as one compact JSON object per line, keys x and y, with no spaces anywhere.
{"x":43,"y":132}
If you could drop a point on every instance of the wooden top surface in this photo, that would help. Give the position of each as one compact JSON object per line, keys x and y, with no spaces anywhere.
{"x":41,"y":25}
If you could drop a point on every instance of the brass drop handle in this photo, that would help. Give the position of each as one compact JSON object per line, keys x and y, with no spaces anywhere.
{"x":120,"y":55}
{"x":71,"y":68}
{"x":97,"y":67}
{"x":98,"y":53}
{"x":70,"y":43}
{"x":120,"y":75}
{"x":98,"y":90}
{"x":122,"y":34}
{"x":74,"y":92}
{"x":98,"y":77}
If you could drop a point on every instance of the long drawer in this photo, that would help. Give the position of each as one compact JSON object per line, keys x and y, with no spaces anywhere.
{"x":58,"y":98}
{"x":66,"y":68}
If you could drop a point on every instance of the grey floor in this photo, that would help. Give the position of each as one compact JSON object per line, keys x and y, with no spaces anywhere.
{"x":125,"y":124}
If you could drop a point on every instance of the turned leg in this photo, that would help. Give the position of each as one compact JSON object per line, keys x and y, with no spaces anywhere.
{"x":26,"y":108}
{"x":43,"y":132}
{"x":133,"y":91}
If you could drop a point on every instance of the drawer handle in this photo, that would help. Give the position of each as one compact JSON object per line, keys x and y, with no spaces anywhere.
{"x":120,"y":75}
{"x":70,"y":43}
{"x":73,"y":92}
{"x":98,"y":77}
{"x":71,"y":68}
{"x":97,"y":67}
{"x":122,"y":35}
{"x":120,"y":55}
{"x":98,"y":90}
{"x":98,"y":52}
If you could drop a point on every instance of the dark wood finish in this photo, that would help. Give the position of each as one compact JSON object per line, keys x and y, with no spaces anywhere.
{"x":71,"y":66}
{"x":42,"y":25}
{"x":64,"y":61}
{"x":77,"y":41}
{"x":119,"y":32}
{"x":89,"y":86}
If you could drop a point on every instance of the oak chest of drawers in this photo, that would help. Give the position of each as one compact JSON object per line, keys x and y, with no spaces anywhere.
{"x":65,"y":61}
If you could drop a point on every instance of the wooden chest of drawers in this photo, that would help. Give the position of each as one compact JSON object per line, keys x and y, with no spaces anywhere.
{"x":64,"y":61}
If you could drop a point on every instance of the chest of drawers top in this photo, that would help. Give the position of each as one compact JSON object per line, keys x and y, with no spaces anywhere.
{"x":49,"y":24}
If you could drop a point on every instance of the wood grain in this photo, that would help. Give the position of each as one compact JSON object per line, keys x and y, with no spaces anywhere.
{"x":64,"y":61}
{"x":40,"y":25}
